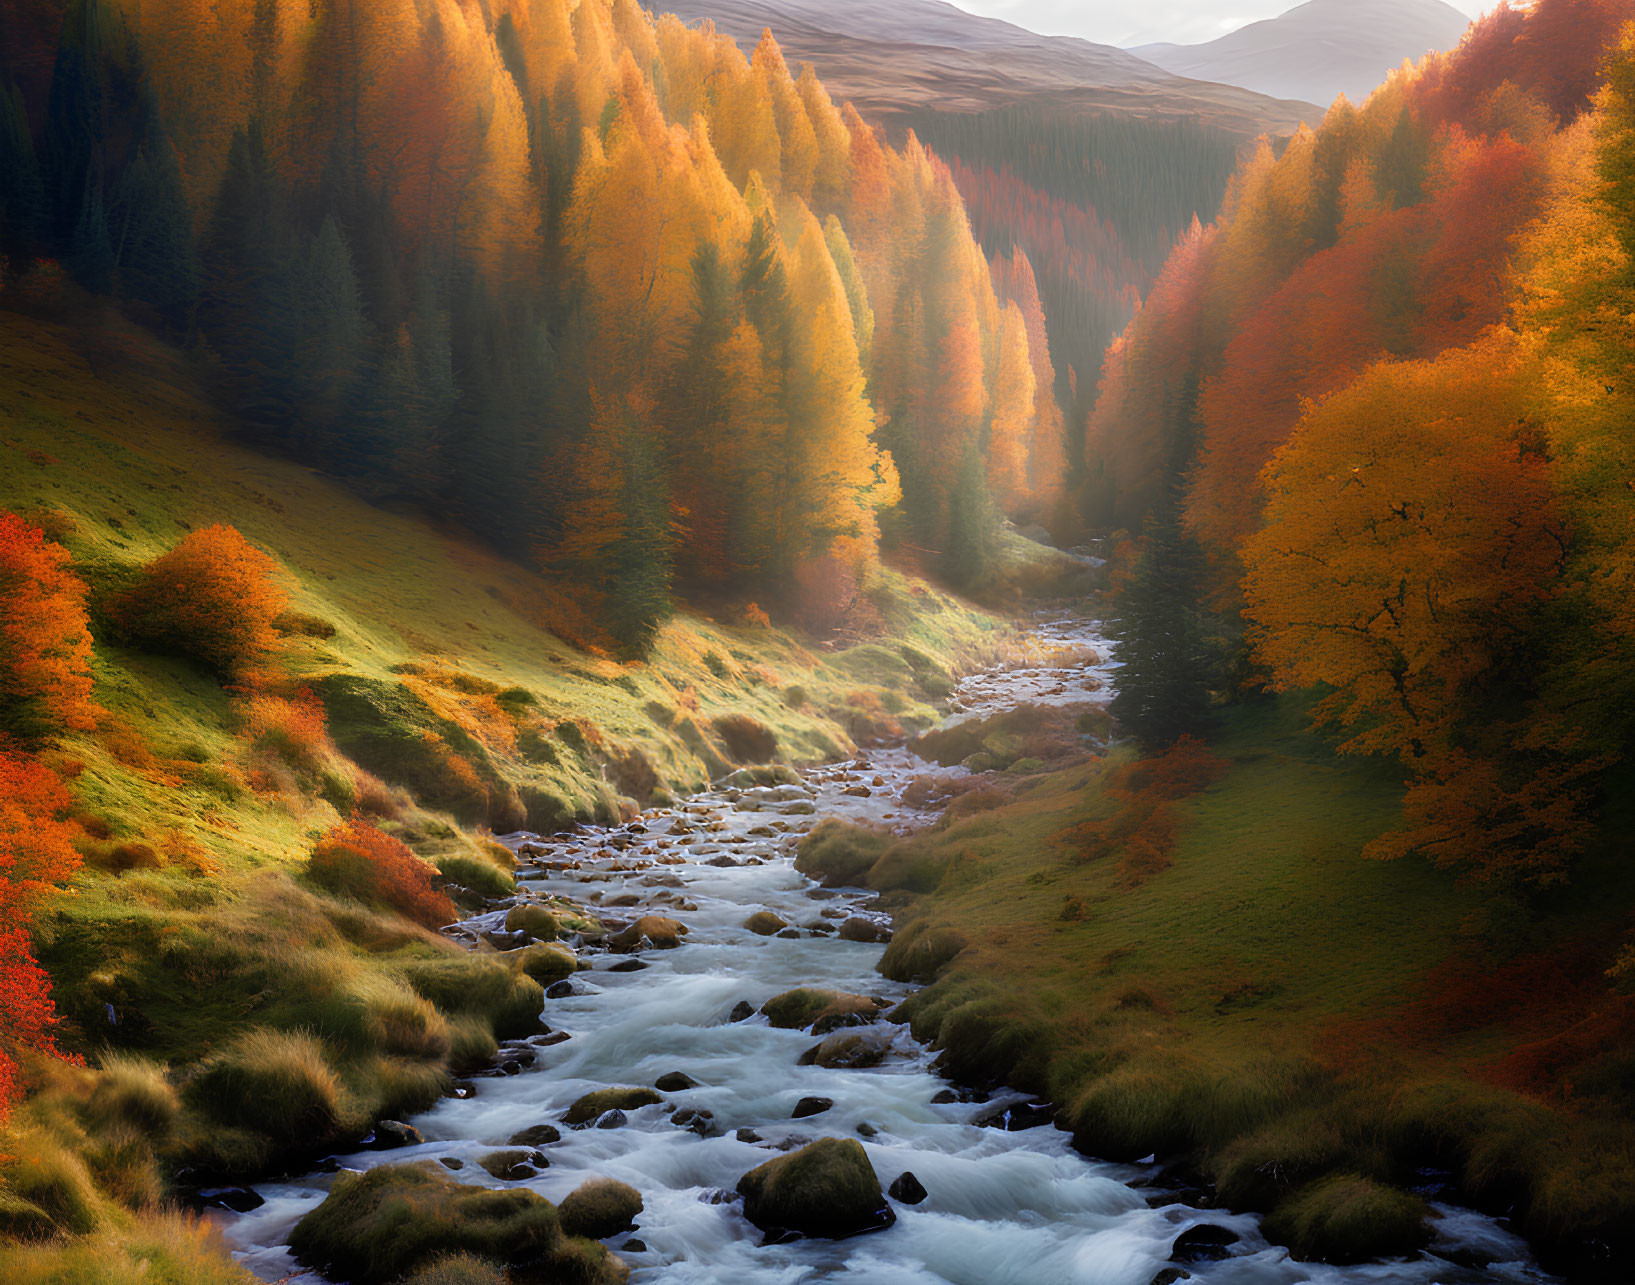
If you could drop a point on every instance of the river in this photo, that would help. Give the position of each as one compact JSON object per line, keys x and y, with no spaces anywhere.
{"x":1003,"y":1206}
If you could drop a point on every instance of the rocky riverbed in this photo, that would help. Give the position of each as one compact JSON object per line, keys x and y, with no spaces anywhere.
{"x":683,"y":999}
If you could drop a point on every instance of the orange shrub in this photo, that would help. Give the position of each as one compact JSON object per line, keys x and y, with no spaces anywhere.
{"x":356,"y":860}
{"x":214,"y":597}
{"x":45,"y":646}
{"x":36,"y":853}
{"x":293,"y":729}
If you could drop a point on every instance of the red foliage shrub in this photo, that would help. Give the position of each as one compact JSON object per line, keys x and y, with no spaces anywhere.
{"x":293,"y":729}
{"x":357,"y":860}
{"x":36,"y":853}
{"x":214,"y":597}
{"x":45,"y":646}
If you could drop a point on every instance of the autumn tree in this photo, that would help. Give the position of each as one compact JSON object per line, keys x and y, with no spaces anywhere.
{"x":37,"y":854}
{"x":45,"y":641}
{"x":213,"y":597}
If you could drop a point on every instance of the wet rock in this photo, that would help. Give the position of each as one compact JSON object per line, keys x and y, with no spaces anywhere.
{"x":505,"y":941}
{"x":866,"y":1130}
{"x":599,"y":1208}
{"x":696,"y":1120}
{"x":1169,"y":1276}
{"x":747,"y":1135}
{"x":538,"y":922}
{"x":827,"y":1189}
{"x":718,"y":1196}
{"x":394,"y":1133}
{"x":241,"y":1200}
{"x":624,"y":899}
{"x":461,"y":1089}
{"x":674,"y":1082}
{"x":561,"y":990}
{"x":1014,"y":1116}
{"x":635,"y":1245}
{"x":552,"y":1037}
{"x":790,"y":934}
{"x":614,"y":1119}
{"x":810,"y":1007}
{"x":858,"y":791}
{"x":658,"y":931}
{"x":593,"y":1105}
{"x":764,"y":923}
{"x":1204,"y":1243}
{"x":907,"y":1189}
{"x":849,"y":1050}
{"x":522,"y":1055}
{"x":859,"y":928}
{"x":742,"y":1011}
{"x":537,"y":1135}
{"x":811,"y":1106}
{"x":513,"y":1165}
{"x":944,"y":1097}
{"x":628,"y":966}
{"x":451,"y":1162}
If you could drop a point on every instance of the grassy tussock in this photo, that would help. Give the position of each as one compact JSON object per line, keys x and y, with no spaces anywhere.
{"x":172,"y":1248}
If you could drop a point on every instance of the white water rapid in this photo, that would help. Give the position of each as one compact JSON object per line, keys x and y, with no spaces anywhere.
{"x":1003,"y":1207}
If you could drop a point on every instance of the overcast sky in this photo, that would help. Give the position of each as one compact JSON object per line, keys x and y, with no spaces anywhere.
{"x":1137,"y":22}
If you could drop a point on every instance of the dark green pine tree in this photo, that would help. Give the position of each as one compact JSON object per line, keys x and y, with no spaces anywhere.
{"x":1167,"y":664}
{"x":327,"y":356}
{"x":152,"y":233}
{"x":23,"y":221}
{"x":640,"y":563}
{"x":973,"y":525}
{"x":89,"y":255}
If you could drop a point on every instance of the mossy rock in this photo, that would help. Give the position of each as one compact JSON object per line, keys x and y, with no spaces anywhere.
{"x":826,"y":1189}
{"x":661,"y":931}
{"x":547,"y":962}
{"x":588,"y":1108}
{"x":808,"y":1007}
{"x":538,"y":922}
{"x":921,"y":950}
{"x":512,"y":1164}
{"x":599,"y":1208}
{"x":1347,"y":1218}
{"x":839,"y":853}
{"x":375,"y":1227}
{"x":763,"y":923}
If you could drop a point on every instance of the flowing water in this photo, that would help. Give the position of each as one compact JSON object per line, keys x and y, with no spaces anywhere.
{"x":1003,"y":1206}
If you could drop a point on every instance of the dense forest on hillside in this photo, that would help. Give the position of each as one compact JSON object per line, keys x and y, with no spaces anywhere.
{"x":1095,"y":201}
{"x":1385,"y":397}
{"x":591,"y":283}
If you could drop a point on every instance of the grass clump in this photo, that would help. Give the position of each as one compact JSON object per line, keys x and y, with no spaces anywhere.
{"x":375,"y":1227}
{"x":458,"y":1269}
{"x":1347,"y":1218}
{"x":478,"y":875}
{"x":920,"y":950}
{"x":170,"y":1248}
{"x":748,"y":740}
{"x":538,"y":922}
{"x":839,"y":853}
{"x":277,"y":1087}
{"x":485,"y":987}
{"x":599,"y":1208}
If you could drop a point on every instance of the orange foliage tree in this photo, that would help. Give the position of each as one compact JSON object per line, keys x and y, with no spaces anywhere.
{"x":213,"y":597}
{"x":45,"y":645}
{"x":357,"y":860}
{"x":36,"y":854}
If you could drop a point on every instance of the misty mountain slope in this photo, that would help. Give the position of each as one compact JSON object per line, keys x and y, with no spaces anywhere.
{"x":892,"y":59}
{"x":1320,"y":49}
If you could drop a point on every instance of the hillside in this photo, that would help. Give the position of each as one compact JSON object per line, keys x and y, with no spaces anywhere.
{"x":892,"y":60}
{"x":1318,"y":50}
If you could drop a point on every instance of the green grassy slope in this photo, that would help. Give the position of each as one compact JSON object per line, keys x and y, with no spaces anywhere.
{"x":1272,"y":1008}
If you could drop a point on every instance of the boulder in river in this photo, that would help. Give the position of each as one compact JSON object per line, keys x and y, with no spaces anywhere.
{"x":394,"y":1133}
{"x":592,"y":1105}
{"x":513,"y":1165}
{"x":548,"y":963}
{"x":907,"y":1189}
{"x":742,"y":1011}
{"x":1203,"y":1243}
{"x":862,"y":928}
{"x":600,"y":1208}
{"x":811,"y":1106}
{"x":535,"y":1136}
{"x":763,"y":923}
{"x":538,"y":922}
{"x":674,"y":1082}
{"x":659,"y":931}
{"x":826,"y":1189}
{"x":810,"y":1007}
{"x":850,"y":1050}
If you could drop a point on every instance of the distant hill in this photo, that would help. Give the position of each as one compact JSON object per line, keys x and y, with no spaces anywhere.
{"x":1320,"y":49}
{"x":897,"y":59}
